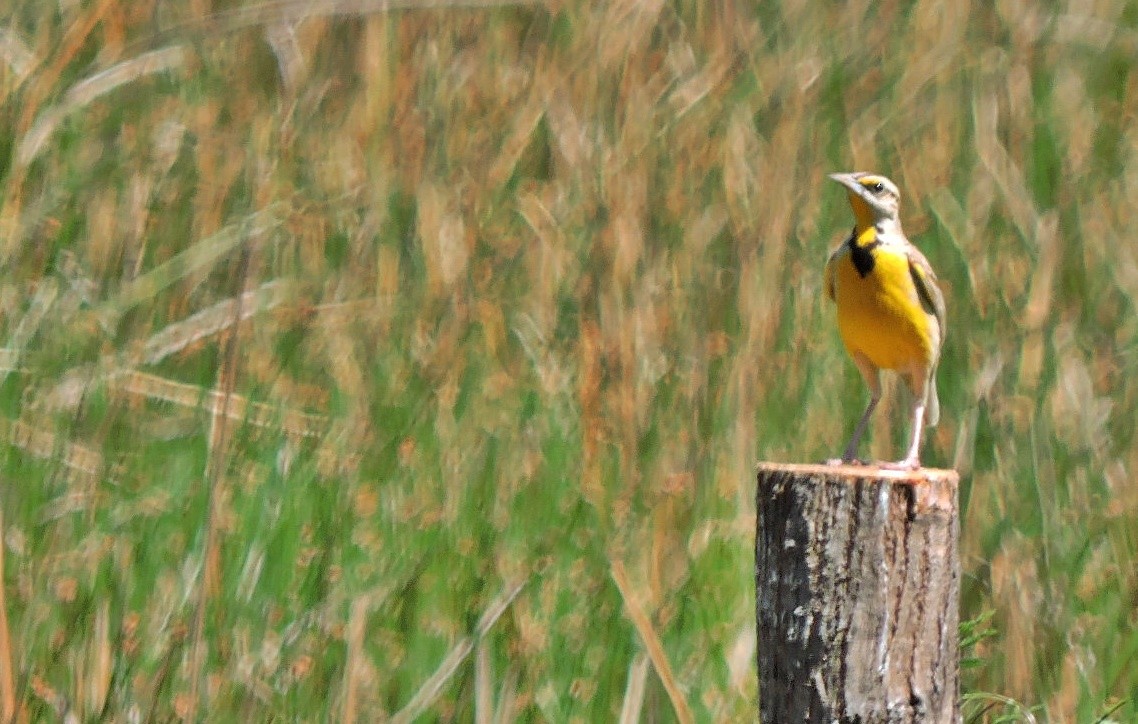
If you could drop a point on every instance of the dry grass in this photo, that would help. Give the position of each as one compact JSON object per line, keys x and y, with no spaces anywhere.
{"x":530,"y":288}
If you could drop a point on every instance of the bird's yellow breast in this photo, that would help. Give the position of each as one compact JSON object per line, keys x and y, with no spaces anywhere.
{"x":880,"y":313}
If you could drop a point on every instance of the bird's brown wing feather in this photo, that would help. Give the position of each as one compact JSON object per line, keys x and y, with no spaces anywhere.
{"x":831,"y":265}
{"x":924,"y":278}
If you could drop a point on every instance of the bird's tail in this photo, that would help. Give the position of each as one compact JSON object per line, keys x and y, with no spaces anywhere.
{"x":932,"y":403}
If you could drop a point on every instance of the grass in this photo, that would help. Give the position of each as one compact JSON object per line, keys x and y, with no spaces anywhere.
{"x":413,"y":364}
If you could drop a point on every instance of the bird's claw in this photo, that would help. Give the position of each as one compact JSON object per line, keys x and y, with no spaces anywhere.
{"x":912,"y":464}
{"x":842,"y":461}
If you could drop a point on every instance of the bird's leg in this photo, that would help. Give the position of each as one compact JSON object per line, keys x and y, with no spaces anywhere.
{"x":912,"y":461}
{"x":850,"y":455}
{"x":872,"y":378}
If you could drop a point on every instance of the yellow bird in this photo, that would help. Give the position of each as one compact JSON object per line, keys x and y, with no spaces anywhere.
{"x":890,"y":309}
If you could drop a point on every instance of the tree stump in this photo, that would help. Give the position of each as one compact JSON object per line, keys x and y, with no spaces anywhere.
{"x":857,"y":580}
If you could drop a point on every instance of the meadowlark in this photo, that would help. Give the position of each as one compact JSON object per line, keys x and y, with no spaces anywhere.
{"x":890,"y":309}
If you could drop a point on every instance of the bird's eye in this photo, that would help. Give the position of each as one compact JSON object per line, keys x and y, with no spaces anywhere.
{"x":877,"y":187}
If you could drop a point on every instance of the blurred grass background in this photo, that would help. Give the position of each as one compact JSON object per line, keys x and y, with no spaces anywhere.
{"x":413,"y":363}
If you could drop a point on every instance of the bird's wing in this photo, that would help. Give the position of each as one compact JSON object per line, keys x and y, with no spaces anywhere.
{"x":830,"y":276}
{"x":831,"y":268}
{"x":924,"y":278}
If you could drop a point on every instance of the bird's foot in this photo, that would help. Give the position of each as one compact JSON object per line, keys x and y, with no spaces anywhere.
{"x":906,"y":464}
{"x":843,"y":461}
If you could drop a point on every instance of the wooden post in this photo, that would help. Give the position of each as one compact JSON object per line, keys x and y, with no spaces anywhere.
{"x":857,"y":580}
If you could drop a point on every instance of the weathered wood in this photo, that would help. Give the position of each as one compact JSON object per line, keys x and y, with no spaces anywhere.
{"x":857,"y":582}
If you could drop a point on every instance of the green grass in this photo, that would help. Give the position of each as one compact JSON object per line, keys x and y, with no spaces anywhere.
{"x":529,"y":290}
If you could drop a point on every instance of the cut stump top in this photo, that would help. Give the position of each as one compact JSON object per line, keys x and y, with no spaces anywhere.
{"x":933,"y":489}
{"x":859,"y":473}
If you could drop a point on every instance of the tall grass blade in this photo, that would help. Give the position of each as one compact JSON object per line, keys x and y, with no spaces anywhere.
{"x":651,"y":642}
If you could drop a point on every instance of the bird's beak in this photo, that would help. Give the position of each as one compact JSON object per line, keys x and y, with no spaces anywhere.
{"x":845,"y":179}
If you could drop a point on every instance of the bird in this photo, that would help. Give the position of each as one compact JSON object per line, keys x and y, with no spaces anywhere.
{"x":890,"y":308}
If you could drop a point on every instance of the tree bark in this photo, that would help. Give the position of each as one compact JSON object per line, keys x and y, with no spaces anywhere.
{"x":857,"y":580}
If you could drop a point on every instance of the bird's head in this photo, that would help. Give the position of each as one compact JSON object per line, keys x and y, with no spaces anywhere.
{"x":874,"y":198}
